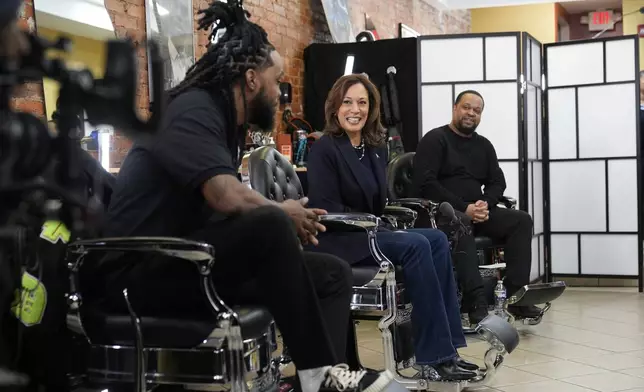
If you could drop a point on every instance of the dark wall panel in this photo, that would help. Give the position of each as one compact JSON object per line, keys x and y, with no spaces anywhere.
{"x":324,"y":64}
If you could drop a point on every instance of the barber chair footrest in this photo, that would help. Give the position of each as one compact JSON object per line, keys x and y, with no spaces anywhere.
{"x":537,"y":294}
{"x":431,"y":386}
{"x":469,"y":330}
{"x":395,"y":386}
{"x":498,"y":332}
{"x":495,"y":266}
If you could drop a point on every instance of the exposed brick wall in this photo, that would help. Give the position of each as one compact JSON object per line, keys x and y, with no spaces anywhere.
{"x":128,"y":18}
{"x":417,"y":14}
{"x":291,"y":24}
{"x":29,"y":98}
{"x":294,"y":24}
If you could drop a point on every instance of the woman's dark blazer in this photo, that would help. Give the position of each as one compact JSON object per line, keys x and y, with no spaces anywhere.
{"x":337,"y":184}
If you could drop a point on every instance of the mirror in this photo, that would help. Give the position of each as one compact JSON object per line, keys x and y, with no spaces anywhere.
{"x":171,"y":24}
{"x":88,"y":25}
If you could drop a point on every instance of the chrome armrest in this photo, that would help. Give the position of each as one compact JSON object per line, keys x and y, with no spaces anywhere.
{"x":413,"y":203}
{"x":416,"y":204}
{"x":350,"y":221}
{"x":508,"y":202}
{"x":357,"y":221}
{"x":201,"y":254}
{"x":406,"y":216}
{"x":427,"y":208}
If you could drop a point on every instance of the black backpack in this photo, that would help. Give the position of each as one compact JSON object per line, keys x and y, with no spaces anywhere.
{"x":34,"y":334}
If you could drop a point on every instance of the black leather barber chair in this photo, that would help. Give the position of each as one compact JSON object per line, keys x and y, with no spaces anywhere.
{"x":376,"y":291}
{"x":490,"y":252}
{"x":139,"y":353}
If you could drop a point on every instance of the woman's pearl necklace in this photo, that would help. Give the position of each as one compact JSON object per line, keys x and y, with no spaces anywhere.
{"x":360,"y":148}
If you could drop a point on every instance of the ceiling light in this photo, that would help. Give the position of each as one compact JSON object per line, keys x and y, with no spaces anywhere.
{"x":348,"y":67}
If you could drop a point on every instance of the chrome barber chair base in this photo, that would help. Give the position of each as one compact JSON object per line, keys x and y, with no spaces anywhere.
{"x":368,"y":299}
{"x":534,"y":295}
{"x":201,"y":368}
{"x":503,"y":339}
{"x":500,"y":334}
{"x":432,"y":386}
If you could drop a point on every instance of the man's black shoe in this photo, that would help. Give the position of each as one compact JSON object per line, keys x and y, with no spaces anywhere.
{"x":477,"y":313}
{"x":529,"y":311}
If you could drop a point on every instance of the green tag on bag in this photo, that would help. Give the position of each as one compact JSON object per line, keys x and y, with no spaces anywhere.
{"x":54,"y":231}
{"x":30,"y":301}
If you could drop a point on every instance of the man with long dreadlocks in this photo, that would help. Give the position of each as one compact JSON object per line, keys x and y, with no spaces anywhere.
{"x":184,"y":184}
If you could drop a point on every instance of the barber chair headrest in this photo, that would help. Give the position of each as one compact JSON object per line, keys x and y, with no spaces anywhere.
{"x":273,"y":176}
{"x":400,"y":172}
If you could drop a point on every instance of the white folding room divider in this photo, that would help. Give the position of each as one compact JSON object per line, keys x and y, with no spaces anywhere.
{"x":489,"y":63}
{"x":510,"y":83}
{"x":532,"y":132}
{"x":593,"y":153}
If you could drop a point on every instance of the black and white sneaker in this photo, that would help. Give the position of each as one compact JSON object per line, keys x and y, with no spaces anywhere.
{"x":339,"y":379}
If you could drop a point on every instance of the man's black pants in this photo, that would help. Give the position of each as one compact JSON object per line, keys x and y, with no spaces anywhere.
{"x":510,"y":227}
{"x":258,"y":261}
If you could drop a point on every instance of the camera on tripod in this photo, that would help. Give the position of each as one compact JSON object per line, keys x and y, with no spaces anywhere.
{"x":28,"y":148}
{"x":40,"y":173}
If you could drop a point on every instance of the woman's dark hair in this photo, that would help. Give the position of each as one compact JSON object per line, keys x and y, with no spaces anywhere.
{"x":373,"y":132}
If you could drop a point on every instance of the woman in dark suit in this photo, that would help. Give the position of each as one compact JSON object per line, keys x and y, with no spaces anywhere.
{"x":346,"y":173}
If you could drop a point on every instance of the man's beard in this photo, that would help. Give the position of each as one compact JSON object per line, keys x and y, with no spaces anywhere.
{"x":262,"y":112}
{"x":466,"y":129}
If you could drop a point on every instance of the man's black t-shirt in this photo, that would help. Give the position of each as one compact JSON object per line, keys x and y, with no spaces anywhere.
{"x":158,"y":190}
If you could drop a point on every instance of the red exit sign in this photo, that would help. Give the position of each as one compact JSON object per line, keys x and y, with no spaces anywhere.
{"x":600,"y":20}
{"x":601,"y":17}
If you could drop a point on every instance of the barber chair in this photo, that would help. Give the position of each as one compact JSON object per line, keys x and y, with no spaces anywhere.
{"x":140,"y":353}
{"x":490,"y":252}
{"x":378,"y":291}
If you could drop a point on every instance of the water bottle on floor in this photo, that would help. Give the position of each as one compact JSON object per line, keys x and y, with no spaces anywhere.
{"x":499,"y":299}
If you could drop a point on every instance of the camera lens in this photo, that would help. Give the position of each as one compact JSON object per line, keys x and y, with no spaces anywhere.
{"x":25,"y":147}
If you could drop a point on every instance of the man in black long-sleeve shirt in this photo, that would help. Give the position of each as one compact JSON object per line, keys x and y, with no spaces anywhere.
{"x":453,"y":163}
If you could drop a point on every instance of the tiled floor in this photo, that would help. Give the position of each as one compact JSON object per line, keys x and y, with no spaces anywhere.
{"x":591,"y":340}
